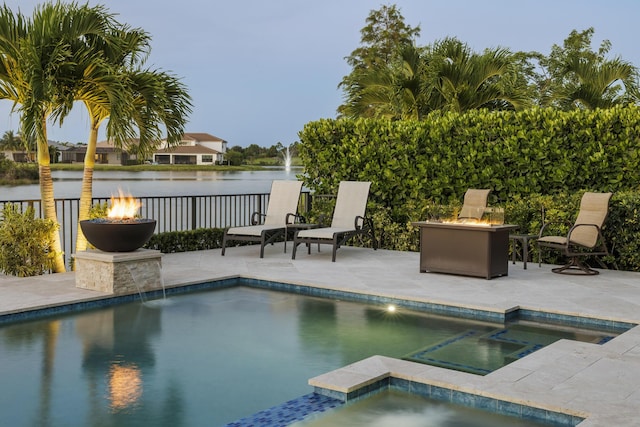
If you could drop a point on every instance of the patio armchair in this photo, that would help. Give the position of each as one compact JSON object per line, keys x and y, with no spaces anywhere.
{"x":348,"y":220}
{"x":266,"y":228}
{"x":474,"y":204}
{"x":584,"y":238}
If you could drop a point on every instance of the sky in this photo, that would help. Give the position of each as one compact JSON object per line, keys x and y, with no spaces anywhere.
{"x":258,"y":71}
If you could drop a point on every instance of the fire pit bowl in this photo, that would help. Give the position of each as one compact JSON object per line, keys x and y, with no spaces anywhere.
{"x":114,"y":235}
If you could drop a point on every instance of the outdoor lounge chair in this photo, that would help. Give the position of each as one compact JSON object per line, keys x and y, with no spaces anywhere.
{"x":584,"y":238}
{"x":474,"y":204}
{"x":282,"y":209}
{"x":348,"y":220}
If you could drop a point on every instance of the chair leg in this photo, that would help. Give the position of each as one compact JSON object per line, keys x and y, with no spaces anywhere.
{"x":295,"y":245}
{"x":224,"y":242}
{"x":539,"y":256}
{"x":575,"y":266}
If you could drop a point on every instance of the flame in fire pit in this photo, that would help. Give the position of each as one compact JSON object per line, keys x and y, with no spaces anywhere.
{"x":123,"y":207}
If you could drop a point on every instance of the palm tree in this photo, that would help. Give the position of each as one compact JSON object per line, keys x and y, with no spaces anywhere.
{"x":10,"y":141}
{"x":446,"y":76}
{"x":464,"y":80}
{"x":396,"y":91}
{"x":38,"y":66}
{"x":131,"y":99}
{"x":601,"y":85}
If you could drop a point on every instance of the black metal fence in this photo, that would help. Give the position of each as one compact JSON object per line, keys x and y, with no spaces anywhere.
{"x":172,"y":213}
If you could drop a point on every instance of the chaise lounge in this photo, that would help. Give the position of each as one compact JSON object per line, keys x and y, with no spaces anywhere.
{"x":348,"y":220}
{"x":282,"y":210}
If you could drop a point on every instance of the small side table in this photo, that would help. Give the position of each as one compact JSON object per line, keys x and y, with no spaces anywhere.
{"x":294,"y":227}
{"x":523,"y":239}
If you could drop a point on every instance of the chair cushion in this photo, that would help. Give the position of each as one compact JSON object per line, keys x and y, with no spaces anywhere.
{"x":558,"y":240}
{"x":283,"y":200}
{"x":323,"y":233}
{"x":252,"y":230}
{"x":593,"y":210}
{"x":350,"y":203}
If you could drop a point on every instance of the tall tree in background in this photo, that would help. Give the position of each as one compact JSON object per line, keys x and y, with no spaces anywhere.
{"x":394,"y":91}
{"x":465,"y":80}
{"x":393,"y":78}
{"x":382,"y":40}
{"x":613,"y":82}
{"x":10,"y":141}
{"x":575,"y":76}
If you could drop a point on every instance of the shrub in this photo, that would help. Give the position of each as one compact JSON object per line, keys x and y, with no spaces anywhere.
{"x":11,"y":171}
{"x":25,"y":242}
{"x":183,"y":241}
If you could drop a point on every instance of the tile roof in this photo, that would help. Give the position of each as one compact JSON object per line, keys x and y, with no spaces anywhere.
{"x":200,"y":136}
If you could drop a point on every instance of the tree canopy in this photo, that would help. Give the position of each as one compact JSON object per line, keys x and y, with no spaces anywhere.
{"x":393,"y":77}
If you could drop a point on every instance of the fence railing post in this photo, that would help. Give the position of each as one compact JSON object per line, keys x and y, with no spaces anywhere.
{"x":194,"y":213}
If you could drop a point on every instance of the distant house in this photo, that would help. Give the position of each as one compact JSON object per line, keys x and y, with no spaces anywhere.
{"x":194,"y":149}
{"x":23,"y":156}
{"x":106,"y":153}
{"x":19,"y":156}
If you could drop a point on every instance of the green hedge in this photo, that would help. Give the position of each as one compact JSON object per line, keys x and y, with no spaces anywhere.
{"x":183,"y":241}
{"x":530,"y":159}
{"x":541,"y":151}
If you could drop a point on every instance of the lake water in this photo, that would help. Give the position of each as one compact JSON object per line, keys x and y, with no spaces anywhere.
{"x":67,"y":184}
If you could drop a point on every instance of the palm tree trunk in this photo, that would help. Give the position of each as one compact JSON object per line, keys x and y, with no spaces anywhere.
{"x":86,"y":194}
{"x":48,"y":201}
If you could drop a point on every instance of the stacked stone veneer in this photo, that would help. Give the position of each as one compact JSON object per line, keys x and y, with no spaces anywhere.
{"x":119,"y":273}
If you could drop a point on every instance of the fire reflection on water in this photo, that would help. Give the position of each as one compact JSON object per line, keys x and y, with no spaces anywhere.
{"x":124,"y":386}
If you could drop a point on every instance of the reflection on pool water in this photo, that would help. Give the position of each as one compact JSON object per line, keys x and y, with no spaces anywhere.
{"x":397,"y":409}
{"x":209,"y":358}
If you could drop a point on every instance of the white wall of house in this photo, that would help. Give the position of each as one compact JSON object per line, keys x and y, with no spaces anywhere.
{"x":219,"y":146}
{"x":177,"y":158}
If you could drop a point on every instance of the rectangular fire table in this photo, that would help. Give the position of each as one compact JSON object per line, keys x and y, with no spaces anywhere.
{"x":465,"y":249}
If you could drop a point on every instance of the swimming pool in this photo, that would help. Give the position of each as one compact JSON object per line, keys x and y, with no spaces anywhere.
{"x":205,"y":358}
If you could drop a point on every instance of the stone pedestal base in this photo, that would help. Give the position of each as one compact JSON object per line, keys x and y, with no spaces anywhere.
{"x":119,"y":273}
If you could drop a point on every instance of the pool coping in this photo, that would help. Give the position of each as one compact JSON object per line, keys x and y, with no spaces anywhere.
{"x":366,"y":377}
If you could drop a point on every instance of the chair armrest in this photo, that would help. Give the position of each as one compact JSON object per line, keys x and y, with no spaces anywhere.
{"x":361,"y":221}
{"x":296,"y":219}
{"x":256,"y":218}
{"x":550,"y":223}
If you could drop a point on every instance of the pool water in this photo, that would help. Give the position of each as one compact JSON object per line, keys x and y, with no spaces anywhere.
{"x":397,"y":409}
{"x":209,"y":358}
